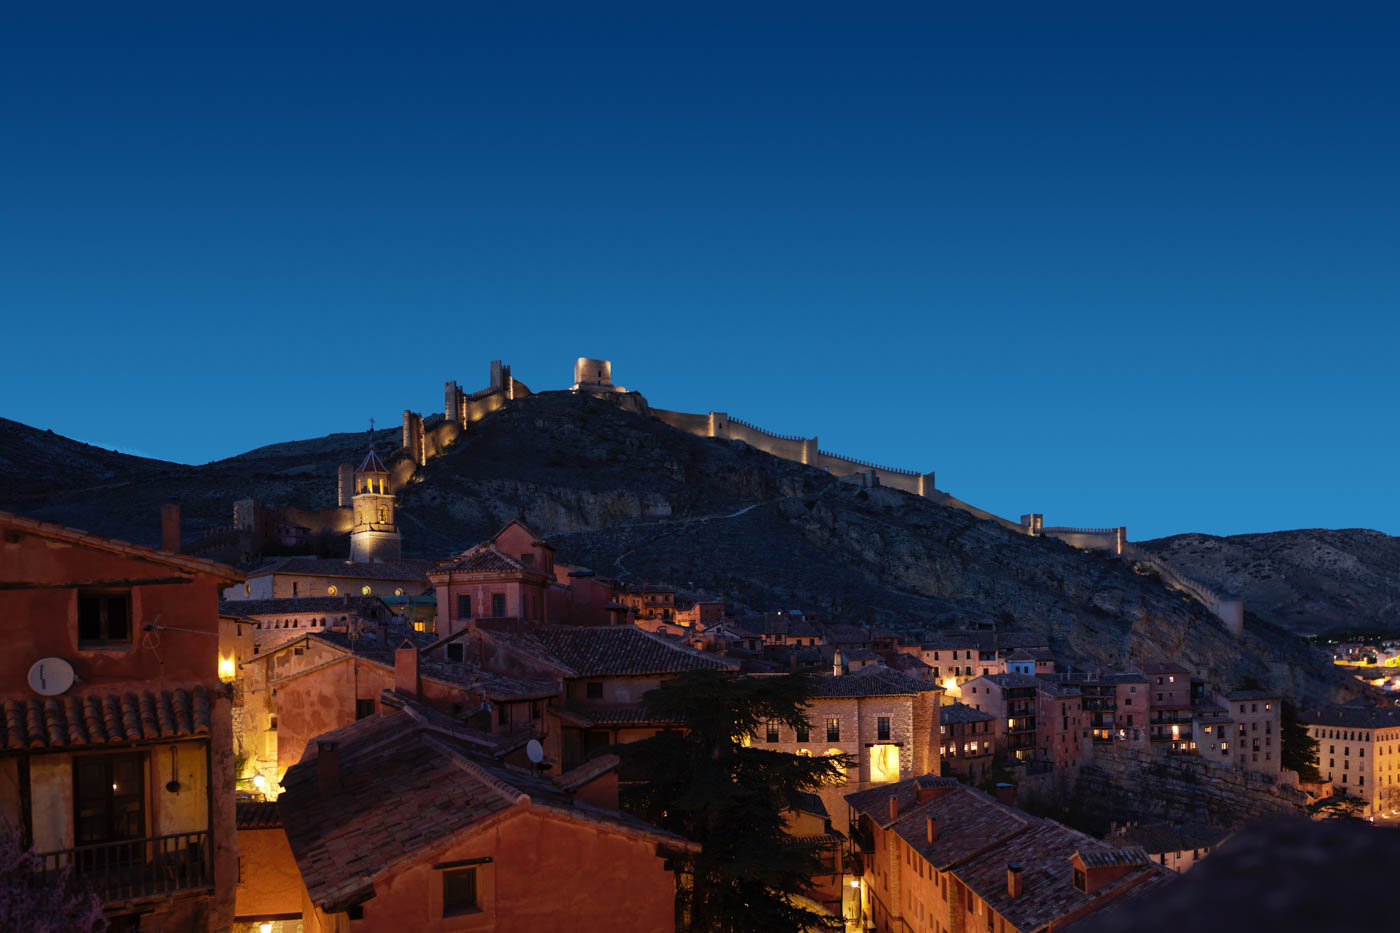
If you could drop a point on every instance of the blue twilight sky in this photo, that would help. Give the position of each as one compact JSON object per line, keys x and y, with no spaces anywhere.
{"x":1114,"y":265}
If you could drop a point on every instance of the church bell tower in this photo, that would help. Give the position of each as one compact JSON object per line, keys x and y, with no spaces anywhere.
{"x":374,"y":536}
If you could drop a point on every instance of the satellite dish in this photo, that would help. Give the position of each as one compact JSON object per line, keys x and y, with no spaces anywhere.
{"x":534,"y":751}
{"x":51,"y":676}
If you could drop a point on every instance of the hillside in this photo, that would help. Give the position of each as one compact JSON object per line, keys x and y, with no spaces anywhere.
{"x":1308,"y":581}
{"x":631,"y":497}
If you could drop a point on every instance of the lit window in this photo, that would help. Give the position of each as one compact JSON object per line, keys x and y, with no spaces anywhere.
{"x":331,"y":589}
{"x":364,"y":590}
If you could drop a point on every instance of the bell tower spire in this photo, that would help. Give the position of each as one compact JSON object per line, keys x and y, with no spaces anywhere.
{"x":374,"y":535}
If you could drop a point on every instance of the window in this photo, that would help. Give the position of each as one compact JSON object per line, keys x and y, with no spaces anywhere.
{"x":594,"y":690}
{"x":464,"y":606}
{"x":458,"y":891}
{"x":498,"y":605}
{"x":771,"y":731}
{"x":332,"y":590}
{"x":882,"y":728}
{"x":104,"y":619}
{"x":1080,"y":883}
{"x":833,"y":729}
{"x":503,"y":715}
{"x":804,"y":732}
{"x":365,"y":590}
{"x":294,"y":588}
{"x":109,"y":799}
{"x":364,"y":709}
{"x":527,"y":559}
{"x":536,"y":709}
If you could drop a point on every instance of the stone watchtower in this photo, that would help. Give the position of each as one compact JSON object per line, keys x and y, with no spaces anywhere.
{"x":374,"y":535}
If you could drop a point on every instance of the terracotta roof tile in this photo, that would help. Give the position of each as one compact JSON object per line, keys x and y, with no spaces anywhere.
{"x":92,"y":719}
{"x":407,"y":784}
{"x":258,"y":815}
{"x":872,"y":682}
{"x":601,"y":651}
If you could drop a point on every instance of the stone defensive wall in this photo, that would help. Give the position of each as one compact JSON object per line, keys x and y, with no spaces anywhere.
{"x":792,"y":447}
{"x":1228,"y":609}
{"x":1126,"y":784}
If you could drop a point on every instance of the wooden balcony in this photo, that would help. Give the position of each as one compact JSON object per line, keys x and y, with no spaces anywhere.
{"x":138,"y":868}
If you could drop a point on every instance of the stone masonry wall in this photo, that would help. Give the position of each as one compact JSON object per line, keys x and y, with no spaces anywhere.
{"x":1125,"y":784}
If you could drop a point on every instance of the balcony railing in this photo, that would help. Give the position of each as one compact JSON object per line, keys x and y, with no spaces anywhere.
{"x":138,"y":868}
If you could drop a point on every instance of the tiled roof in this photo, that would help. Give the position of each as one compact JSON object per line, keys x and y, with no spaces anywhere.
{"x":96,"y":719}
{"x":907,"y":662}
{"x":1047,"y":877}
{"x":1167,"y":667}
{"x":371,"y":464}
{"x":1353,"y":717}
{"x":858,"y":654}
{"x":961,"y":712}
{"x":360,"y":605}
{"x":872,"y":681}
{"x":1011,"y":680}
{"x":257,"y":815}
{"x":1021,"y":654}
{"x":1253,"y":695}
{"x":602,"y":651}
{"x":406,"y":785}
{"x":1156,"y":838}
{"x":1112,"y":857}
{"x":485,"y":559}
{"x":611,"y":715}
{"x":406,"y":568}
{"x":1007,"y":641}
{"x":968,"y":820}
{"x":113,"y":545}
{"x":1055,"y":689}
{"x":836,"y":634}
{"x":812,"y":803}
{"x":378,"y":645}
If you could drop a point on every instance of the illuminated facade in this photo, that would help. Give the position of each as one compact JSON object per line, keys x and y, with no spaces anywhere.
{"x":1358,"y":750}
{"x":374,"y":535}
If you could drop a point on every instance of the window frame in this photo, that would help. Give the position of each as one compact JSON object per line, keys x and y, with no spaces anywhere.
{"x":468,"y":872}
{"x":105,"y":597}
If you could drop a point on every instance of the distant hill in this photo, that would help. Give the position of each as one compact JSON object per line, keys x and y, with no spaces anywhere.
{"x":1308,"y":581}
{"x":631,"y":497}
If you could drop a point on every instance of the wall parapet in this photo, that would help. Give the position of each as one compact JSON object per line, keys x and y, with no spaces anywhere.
{"x":1066,"y":530}
{"x":856,"y":461}
{"x":772,"y":434}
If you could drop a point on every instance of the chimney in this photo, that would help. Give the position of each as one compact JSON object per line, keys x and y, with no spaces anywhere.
{"x":836,"y":666}
{"x":170,"y":527}
{"x":894,"y":808}
{"x":406,"y":670}
{"x":931,"y":828}
{"x":1006,"y":793}
{"x":1013,"y":879}
{"x":327,"y":767}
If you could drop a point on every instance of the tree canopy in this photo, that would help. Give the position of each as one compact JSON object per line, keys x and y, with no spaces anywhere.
{"x":706,"y":782}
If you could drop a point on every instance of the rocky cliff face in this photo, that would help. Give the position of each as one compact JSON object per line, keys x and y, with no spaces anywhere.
{"x":1307,"y":581}
{"x":630,"y":497}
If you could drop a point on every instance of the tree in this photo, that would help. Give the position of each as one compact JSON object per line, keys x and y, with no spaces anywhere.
{"x":1299,"y":750}
{"x":1341,"y":808}
{"x":708,"y":784}
{"x":35,"y":901}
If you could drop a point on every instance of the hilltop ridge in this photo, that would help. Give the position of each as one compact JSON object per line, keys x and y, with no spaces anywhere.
{"x":629,"y":496}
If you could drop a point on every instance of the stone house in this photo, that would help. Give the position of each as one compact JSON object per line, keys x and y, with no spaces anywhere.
{"x":326,"y":576}
{"x":1177,"y":846}
{"x":1258,"y":719}
{"x":403,"y":822}
{"x":599,"y":675}
{"x":966,"y":741}
{"x":1169,"y":707}
{"x":1358,"y":750}
{"x":280,"y":620}
{"x":886,"y":720}
{"x":116,"y":744}
{"x":328,"y":679}
{"x":490,"y":582}
{"x":1060,"y":735}
{"x":1012,"y":700}
{"x":933,"y":855}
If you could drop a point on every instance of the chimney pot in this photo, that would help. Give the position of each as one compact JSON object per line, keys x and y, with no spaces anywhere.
{"x":1013,"y":879}
{"x":932,"y":828}
{"x":894,"y":808}
{"x":170,"y":527}
{"x":328,"y":766}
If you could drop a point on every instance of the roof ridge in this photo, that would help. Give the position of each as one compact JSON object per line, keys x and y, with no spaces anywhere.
{"x":187,"y":561}
{"x":511,"y":795}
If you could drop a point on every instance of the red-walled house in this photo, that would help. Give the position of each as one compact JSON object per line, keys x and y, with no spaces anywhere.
{"x":400,"y":822}
{"x":116,"y":751}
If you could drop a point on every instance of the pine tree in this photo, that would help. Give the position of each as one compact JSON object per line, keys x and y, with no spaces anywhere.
{"x":1299,"y":750}
{"x":706,"y":783}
